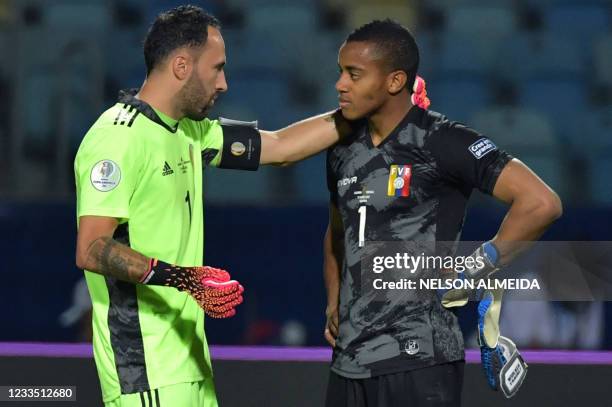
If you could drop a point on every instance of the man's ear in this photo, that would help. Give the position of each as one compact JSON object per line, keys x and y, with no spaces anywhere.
{"x":181,"y":66}
{"x":396,"y":81}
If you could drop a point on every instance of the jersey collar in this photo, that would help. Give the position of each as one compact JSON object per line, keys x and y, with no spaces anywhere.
{"x":127,"y":96}
{"x":412,"y":116}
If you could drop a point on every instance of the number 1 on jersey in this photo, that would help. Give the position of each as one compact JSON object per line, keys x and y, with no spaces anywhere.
{"x":362,"y":222}
{"x":188,"y":200}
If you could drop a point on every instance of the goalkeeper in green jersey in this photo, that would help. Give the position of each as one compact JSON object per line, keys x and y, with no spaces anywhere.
{"x":140,"y":221}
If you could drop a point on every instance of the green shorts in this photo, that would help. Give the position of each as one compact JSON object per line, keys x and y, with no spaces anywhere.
{"x":196,"y":394}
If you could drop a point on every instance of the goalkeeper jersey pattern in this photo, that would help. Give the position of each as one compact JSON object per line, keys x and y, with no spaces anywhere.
{"x":145,"y":169}
{"x":414,"y":187}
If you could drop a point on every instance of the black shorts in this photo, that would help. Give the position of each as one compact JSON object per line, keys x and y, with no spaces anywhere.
{"x":438,"y":386}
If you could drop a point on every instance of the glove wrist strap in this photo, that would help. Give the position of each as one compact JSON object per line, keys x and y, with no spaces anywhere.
{"x":490,"y":262}
{"x":159,"y":273}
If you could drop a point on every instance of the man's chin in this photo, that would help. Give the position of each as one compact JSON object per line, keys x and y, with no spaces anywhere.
{"x":198,"y":116}
{"x":351,"y":114}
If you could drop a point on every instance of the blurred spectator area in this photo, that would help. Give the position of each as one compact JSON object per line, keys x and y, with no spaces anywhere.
{"x":534,"y":75}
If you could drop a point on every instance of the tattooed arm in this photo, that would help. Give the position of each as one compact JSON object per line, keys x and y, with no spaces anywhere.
{"x":98,"y":252}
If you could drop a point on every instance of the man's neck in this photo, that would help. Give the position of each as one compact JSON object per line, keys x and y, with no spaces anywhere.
{"x":386,"y":119}
{"x":158,"y":96}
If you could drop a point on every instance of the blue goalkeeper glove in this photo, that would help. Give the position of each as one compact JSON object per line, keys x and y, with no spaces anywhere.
{"x":502,"y":363}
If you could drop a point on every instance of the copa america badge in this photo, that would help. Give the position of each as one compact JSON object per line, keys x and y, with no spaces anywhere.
{"x":105,"y":175}
{"x":237,"y":148}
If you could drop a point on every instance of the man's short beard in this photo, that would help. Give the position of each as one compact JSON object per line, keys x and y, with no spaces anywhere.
{"x":189,"y":97}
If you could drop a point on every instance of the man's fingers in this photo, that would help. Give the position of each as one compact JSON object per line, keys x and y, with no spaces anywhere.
{"x":333,"y":330}
{"x":330,"y":338}
{"x":222,"y":310}
{"x":227,"y":314}
{"x":221,"y":288}
{"x":333,"y":324}
{"x":222,"y":307}
{"x":229,"y":303}
{"x":214,"y":273}
{"x":217,"y":299}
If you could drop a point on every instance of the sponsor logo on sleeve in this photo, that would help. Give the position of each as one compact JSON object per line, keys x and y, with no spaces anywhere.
{"x":105,"y":175}
{"x":482,"y":147}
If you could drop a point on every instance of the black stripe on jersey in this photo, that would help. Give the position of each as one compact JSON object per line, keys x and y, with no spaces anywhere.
{"x":127,"y":97}
{"x":127,"y":114}
{"x":133,"y":118}
{"x":124,"y":326}
{"x":122,"y":234}
{"x":119,"y":113}
{"x":126,"y":336}
{"x":150,"y":398}
{"x":142,"y":401}
{"x":124,"y":115}
{"x":157,"y":398}
{"x":208,"y":154}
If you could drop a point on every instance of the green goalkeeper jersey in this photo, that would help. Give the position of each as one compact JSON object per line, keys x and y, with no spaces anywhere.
{"x":145,"y":169}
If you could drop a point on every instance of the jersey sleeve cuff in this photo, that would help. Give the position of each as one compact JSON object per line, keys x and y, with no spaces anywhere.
{"x":494,"y":172}
{"x":111,"y":213}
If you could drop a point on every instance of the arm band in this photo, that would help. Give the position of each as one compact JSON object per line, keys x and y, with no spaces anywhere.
{"x":241,"y":145}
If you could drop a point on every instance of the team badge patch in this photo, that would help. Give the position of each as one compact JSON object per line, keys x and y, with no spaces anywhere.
{"x":482,"y":147}
{"x":105,"y":175}
{"x":411,"y":347}
{"x":399,"y":180}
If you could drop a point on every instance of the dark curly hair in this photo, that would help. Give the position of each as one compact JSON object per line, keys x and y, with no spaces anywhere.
{"x":179,"y":27}
{"x":398,"y":48}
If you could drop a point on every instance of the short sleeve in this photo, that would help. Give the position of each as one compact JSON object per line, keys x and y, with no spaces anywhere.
{"x":466,"y":158}
{"x":230,"y":144}
{"x":212,"y":142}
{"x":107,"y":167}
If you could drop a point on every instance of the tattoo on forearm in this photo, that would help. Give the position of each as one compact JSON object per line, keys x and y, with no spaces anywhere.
{"x":110,"y":258}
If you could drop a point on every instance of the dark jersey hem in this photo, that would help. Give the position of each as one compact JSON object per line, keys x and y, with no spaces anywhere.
{"x":382,"y":372}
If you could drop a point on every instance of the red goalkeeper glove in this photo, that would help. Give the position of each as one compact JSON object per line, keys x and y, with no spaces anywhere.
{"x":211,"y":287}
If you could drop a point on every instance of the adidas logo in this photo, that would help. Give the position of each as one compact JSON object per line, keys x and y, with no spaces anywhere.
{"x":167,"y":170}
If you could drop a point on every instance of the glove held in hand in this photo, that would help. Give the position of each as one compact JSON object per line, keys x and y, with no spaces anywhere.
{"x":502,"y":363}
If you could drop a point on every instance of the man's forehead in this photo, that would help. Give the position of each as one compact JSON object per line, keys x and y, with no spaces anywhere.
{"x":214,"y":37}
{"x":359,"y":51}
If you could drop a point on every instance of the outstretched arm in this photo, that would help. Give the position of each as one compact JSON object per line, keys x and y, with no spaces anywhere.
{"x":302,"y":139}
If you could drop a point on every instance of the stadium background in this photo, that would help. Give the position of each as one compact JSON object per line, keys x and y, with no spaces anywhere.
{"x":535,"y":75}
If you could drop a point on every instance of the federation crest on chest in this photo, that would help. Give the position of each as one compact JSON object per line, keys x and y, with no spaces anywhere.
{"x":399,"y":180}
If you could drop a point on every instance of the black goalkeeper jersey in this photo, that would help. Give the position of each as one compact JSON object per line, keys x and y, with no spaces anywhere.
{"x":413,"y":187}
